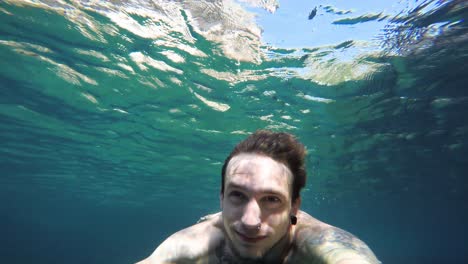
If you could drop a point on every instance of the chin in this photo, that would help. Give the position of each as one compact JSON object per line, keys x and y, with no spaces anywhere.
{"x":245,"y":250}
{"x":252,"y":254}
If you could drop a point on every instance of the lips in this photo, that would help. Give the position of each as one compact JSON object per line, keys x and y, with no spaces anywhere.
{"x":250,"y":239}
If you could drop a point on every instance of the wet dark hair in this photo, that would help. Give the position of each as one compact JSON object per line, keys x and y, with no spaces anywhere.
{"x":282,"y":147}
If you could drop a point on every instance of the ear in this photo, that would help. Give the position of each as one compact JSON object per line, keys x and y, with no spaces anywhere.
{"x":295,"y":206}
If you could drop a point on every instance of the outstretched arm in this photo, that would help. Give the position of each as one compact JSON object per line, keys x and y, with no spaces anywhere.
{"x":194,"y":244}
{"x":164,"y":253}
{"x":336,"y":246}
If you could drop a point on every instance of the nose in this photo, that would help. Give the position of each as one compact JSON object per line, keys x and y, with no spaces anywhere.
{"x":251,"y":216}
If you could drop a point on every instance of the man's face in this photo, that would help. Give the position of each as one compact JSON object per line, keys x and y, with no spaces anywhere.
{"x":256,"y":203}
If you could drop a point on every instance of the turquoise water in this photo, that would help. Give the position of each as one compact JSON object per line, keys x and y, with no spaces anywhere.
{"x":115,"y":118}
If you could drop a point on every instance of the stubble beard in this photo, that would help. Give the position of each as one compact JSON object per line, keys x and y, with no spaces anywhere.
{"x":228,"y":254}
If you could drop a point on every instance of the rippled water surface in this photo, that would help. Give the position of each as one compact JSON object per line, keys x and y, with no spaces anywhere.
{"x":116,"y":116}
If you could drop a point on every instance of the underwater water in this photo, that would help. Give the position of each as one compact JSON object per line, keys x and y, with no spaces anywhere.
{"x":116,"y":117}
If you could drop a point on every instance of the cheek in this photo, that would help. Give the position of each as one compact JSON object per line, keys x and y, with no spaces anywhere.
{"x":230,"y":212}
{"x":279,"y":220}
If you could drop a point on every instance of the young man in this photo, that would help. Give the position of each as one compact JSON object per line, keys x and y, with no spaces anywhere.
{"x":260,"y":221}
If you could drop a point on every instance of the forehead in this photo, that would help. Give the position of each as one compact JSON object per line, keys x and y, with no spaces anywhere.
{"x":258,"y":173}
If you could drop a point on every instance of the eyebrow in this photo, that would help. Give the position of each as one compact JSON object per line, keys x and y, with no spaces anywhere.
{"x":243,"y":187}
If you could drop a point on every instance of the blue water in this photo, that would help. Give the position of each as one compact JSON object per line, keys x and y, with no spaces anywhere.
{"x":115,"y":119}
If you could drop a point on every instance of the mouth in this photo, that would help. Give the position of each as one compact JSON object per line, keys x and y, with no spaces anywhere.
{"x":250,"y":239}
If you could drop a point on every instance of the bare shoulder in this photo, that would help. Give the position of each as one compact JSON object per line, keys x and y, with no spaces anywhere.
{"x":327,"y":244}
{"x":195,"y":243}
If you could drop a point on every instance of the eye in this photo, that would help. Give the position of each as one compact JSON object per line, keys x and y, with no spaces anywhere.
{"x":237,"y":197}
{"x":272,"y":201}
